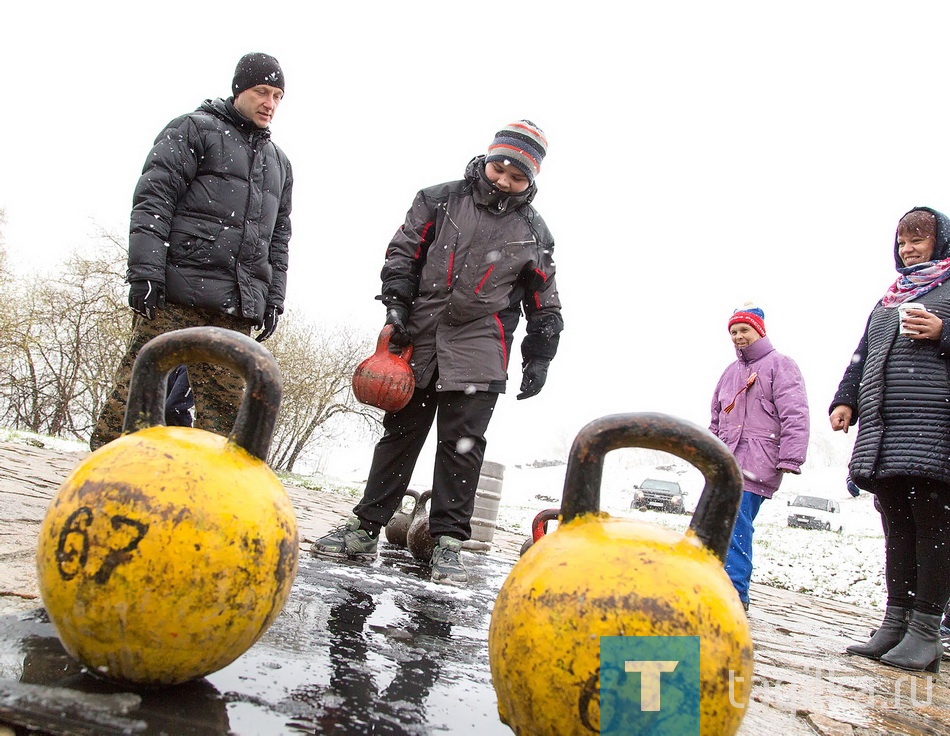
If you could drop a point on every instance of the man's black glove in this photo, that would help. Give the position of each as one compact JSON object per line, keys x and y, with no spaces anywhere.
{"x":533,"y":374}
{"x":269,"y":323}
{"x":144,"y":297}
{"x":397,"y":315}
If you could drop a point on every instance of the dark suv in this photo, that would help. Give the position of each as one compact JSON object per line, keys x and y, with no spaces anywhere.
{"x":659,"y":495}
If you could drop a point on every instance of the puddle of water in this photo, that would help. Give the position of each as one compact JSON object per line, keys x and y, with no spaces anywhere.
{"x":356,"y":650}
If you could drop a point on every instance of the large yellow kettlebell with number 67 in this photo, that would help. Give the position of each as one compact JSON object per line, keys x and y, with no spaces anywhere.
{"x":168,"y":552}
{"x":598,"y":578}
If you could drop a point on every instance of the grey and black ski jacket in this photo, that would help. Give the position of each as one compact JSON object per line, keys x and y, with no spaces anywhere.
{"x":468,"y":261}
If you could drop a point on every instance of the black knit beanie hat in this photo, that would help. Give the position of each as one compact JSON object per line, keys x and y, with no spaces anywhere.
{"x":254,"y":69}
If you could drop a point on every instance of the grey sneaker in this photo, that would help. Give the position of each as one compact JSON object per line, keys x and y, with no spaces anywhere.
{"x":346,"y":542}
{"x":945,"y":640}
{"x":447,"y":564}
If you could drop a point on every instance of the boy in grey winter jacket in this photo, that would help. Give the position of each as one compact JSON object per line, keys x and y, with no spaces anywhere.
{"x":470,"y":258}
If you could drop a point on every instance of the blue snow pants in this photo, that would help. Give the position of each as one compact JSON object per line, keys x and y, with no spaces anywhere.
{"x":739,"y":556}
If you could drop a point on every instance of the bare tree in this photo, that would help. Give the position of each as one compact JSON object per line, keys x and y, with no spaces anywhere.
{"x":6,"y":279}
{"x":62,"y":338}
{"x":317,"y":365}
{"x":63,"y":343}
{"x":100,"y":326}
{"x":3,"y":245}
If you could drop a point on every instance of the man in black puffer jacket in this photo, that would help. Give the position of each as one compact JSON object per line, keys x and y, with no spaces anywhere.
{"x":209,"y":237}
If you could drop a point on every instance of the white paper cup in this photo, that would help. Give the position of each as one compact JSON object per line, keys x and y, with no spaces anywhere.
{"x":902,"y":315}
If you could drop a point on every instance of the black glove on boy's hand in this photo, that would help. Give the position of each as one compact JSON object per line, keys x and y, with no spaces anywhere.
{"x":268,"y":324}
{"x":397,"y":315}
{"x":533,"y":375}
{"x":145,"y":297}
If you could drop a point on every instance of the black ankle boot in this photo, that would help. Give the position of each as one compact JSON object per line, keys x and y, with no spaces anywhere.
{"x":920,"y":650}
{"x":885,"y":638}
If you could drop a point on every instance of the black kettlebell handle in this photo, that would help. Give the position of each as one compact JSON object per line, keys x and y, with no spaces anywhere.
{"x":254,"y":427}
{"x":413,"y":494}
{"x":716,"y":510}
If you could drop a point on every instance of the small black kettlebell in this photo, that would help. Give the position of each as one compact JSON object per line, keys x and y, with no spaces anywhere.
{"x":397,"y":529}
{"x":417,"y":539}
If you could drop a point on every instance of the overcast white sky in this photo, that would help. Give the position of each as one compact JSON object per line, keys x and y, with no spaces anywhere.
{"x":701,"y":155}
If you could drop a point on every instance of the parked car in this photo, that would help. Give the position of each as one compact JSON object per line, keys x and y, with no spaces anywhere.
{"x":813,"y":512}
{"x":659,"y":495}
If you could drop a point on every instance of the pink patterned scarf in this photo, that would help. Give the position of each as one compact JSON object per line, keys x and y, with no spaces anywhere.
{"x":916,"y":281}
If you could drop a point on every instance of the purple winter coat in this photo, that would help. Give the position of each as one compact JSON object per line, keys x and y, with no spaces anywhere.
{"x":768,"y":428}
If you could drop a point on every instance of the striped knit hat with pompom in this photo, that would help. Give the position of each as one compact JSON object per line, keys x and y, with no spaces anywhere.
{"x":521,"y":143}
{"x":750,"y":315}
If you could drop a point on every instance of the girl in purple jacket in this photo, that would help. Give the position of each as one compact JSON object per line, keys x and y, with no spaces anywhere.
{"x":760,"y":410}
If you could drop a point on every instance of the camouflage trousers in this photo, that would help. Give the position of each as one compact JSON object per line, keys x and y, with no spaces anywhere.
{"x":218,"y":391}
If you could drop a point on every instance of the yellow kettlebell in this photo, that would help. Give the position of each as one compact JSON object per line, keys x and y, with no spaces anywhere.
{"x":600,"y":576}
{"x":168,"y":552}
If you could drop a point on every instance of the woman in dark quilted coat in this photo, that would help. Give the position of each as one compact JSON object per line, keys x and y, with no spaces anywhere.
{"x":897,"y":388}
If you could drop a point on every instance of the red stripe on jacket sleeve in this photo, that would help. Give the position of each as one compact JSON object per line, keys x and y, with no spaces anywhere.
{"x":537,"y":294}
{"x":426,"y":229}
{"x":504,"y":348}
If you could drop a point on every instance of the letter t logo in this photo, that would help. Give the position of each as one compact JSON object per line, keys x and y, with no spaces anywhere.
{"x":649,"y":680}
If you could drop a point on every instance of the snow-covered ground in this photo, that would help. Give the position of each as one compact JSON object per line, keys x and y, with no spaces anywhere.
{"x":847,"y":567}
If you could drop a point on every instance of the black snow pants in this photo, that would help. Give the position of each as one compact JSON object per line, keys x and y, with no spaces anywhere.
{"x":461,"y":424}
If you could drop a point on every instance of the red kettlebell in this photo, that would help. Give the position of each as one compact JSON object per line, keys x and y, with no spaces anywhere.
{"x":384,"y":379}
{"x":539,"y":527}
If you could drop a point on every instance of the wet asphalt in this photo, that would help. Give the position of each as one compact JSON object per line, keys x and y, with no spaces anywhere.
{"x":358,"y":649}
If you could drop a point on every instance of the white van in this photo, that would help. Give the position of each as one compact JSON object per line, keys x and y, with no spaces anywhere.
{"x":813,"y":512}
